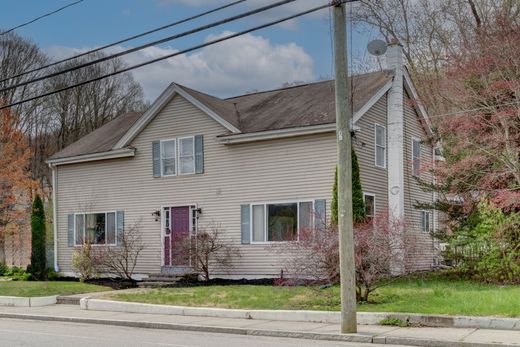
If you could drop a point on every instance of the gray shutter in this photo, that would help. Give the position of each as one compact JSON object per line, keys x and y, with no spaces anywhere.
{"x":199,"y":154}
{"x":320,"y":214}
{"x":156,"y":156}
{"x":70,"y":229}
{"x":245,"y":224}
{"x":120,"y":224}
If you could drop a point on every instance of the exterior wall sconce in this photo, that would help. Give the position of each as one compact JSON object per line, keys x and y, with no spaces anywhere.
{"x":156,"y":214}
{"x":198,"y":211}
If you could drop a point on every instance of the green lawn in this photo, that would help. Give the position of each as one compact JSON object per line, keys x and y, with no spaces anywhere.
{"x":28,"y":288}
{"x":425,"y":294}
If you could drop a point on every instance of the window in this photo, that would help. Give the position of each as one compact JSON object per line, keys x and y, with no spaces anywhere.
{"x":416,"y":157}
{"x":168,"y":155}
{"x":178,"y":156}
{"x":96,"y":228}
{"x":370,"y":205}
{"x":425,"y":221}
{"x":186,"y":155}
{"x":280,"y":221}
{"x":380,"y":145}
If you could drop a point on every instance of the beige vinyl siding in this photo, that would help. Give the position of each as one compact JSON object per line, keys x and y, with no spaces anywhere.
{"x":285,"y":169}
{"x":423,"y":251}
{"x":297,"y":168}
{"x":374,"y":180}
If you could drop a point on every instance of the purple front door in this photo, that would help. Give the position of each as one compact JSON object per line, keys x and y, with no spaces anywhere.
{"x":176,"y":240}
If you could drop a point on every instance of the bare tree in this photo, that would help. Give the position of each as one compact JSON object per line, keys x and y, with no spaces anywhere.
{"x":121,"y":260}
{"x":207,"y":249}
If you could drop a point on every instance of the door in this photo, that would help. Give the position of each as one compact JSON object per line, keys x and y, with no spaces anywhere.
{"x":176,"y":237}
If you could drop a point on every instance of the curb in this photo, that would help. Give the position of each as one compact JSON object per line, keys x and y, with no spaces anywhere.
{"x":360,"y":338}
{"x":364,"y":318}
{"x":17,"y":301}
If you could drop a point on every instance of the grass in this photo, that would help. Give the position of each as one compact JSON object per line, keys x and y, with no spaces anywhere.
{"x":432,"y":294}
{"x":32,"y":289}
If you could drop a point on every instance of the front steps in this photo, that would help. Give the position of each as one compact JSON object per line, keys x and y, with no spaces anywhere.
{"x":169,"y":277}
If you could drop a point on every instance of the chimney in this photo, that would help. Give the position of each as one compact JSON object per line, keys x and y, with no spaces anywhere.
{"x":396,"y":142}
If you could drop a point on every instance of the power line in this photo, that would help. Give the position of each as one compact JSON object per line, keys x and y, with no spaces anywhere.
{"x":208,"y":43}
{"x":166,"y":39}
{"x":40,"y":17}
{"x":199,"y":15}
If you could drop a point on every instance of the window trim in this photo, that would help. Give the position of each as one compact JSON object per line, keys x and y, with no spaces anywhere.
{"x":84,"y":227}
{"x":376,"y":146}
{"x":429,"y":214}
{"x":416,"y":139}
{"x":266,"y":215}
{"x":174,"y":139}
{"x":178,"y":159}
{"x":374,"y":196}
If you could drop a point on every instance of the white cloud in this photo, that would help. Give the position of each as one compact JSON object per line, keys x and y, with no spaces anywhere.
{"x":229,"y":68}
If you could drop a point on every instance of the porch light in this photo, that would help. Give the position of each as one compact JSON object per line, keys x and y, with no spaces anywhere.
{"x":156,"y":214}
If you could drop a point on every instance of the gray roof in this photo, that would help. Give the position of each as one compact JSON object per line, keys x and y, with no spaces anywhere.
{"x":102,"y":139}
{"x":298,"y":106}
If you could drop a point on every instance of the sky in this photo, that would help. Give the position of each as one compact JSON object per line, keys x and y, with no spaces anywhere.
{"x":295,"y":51}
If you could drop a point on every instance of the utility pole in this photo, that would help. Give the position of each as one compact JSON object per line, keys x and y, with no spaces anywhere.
{"x":344,"y":145}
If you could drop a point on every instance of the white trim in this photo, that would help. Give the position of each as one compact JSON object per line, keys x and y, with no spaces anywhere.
{"x":410,"y":88}
{"x":191,"y":207}
{"x":54,"y":170}
{"x":372,"y":101}
{"x":374,"y":196}
{"x":85,"y":227}
{"x":179,"y":154}
{"x":295,"y":201}
{"x":159,"y":104}
{"x":117,"y":153}
{"x":161,"y":156}
{"x":429,"y":212}
{"x":280,"y":133}
{"x":416,"y":139}
{"x":276,"y":134}
{"x":376,"y":145}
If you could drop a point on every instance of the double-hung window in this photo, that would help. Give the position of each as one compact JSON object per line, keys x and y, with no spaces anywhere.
{"x":370,"y":205}
{"x":186,"y":155}
{"x":275,"y":222}
{"x":168,"y":157}
{"x":416,"y":157}
{"x":95,"y":228}
{"x":178,"y":156}
{"x":425,"y":221}
{"x":380,"y":145}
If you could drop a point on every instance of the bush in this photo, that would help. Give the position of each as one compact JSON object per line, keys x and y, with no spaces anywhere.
{"x":85,"y":262}
{"x":358,"y":204}
{"x":121,"y":260}
{"x":38,"y":265}
{"x":3,"y":269}
{"x":487,"y":248}
{"x":378,"y":243}
{"x":15,"y":273}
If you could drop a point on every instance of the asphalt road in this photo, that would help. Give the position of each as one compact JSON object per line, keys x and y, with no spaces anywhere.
{"x":14,"y":332}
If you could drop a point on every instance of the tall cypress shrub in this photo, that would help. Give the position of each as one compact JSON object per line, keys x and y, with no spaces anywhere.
{"x":38,"y":259}
{"x":358,"y":205}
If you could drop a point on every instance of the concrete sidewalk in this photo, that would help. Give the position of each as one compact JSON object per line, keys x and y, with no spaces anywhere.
{"x":431,"y":337}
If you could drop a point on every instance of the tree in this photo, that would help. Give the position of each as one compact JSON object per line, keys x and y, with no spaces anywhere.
{"x":15,"y":179}
{"x":38,"y":259}
{"x":482,"y":145}
{"x":121,"y":260}
{"x":207,"y":249}
{"x":378,"y":242}
{"x":358,"y":205}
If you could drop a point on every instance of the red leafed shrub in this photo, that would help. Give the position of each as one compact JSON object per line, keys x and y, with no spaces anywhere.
{"x":381,"y":245}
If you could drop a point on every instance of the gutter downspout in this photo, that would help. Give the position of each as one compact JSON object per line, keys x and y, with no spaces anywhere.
{"x":55,"y":214}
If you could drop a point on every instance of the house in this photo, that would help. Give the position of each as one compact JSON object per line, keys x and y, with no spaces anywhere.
{"x":252,"y":163}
